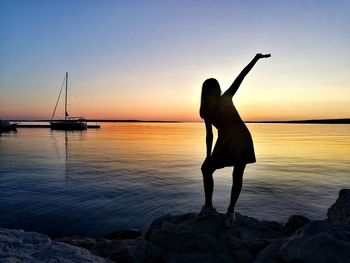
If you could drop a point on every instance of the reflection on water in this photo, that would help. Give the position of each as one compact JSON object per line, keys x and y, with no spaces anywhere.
{"x":96,"y":181}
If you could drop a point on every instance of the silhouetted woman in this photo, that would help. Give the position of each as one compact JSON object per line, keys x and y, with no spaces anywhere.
{"x":234,"y":145}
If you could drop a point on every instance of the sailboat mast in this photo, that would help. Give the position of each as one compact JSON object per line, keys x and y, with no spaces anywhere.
{"x":65,"y":101}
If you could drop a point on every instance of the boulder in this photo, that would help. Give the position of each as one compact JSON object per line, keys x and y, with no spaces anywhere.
{"x":183,"y":233}
{"x":317,"y":242}
{"x":271,"y":253}
{"x":147,"y":252}
{"x":129,"y":250}
{"x":116,"y":250}
{"x":340,"y":210}
{"x":84,"y":242}
{"x":185,"y":238}
{"x":20,"y":246}
{"x":295,"y":222}
{"x":124,"y":234}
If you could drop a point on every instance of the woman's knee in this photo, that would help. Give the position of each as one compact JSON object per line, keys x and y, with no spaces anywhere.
{"x":207,"y":168}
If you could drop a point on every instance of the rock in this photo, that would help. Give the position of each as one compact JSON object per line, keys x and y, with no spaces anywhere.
{"x":183,"y":233}
{"x":84,"y":242}
{"x":21,"y":246}
{"x":319,"y":241}
{"x":270,"y":254}
{"x":147,"y":252}
{"x":124,"y":234}
{"x":116,"y":250}
{"x":119,"y":250}
{"x":129,"y":250}
{"x":295,"y":222}
{"x":187,"y":239}
{"x":340,"y":210}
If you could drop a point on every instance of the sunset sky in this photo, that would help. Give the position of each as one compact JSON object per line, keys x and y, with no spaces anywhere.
{"x":148,"y":59}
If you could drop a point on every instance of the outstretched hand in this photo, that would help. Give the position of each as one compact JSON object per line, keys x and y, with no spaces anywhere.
{"x":259,"y":55}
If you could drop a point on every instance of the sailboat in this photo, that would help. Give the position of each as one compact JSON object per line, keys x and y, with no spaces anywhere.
{"x":69,"y":123}
{"x":7,"y":126}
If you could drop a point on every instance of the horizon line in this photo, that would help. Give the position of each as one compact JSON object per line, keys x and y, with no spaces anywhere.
{"x":315,"y":121}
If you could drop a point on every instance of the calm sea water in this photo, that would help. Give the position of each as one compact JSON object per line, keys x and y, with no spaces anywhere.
{"x":126,"y":174}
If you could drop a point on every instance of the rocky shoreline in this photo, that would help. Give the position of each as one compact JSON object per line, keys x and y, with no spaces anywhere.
{"x":185,"y":238}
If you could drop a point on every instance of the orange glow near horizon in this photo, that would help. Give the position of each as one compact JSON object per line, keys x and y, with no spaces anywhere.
{"x":175,"y":110}
{"x":263,"y":95}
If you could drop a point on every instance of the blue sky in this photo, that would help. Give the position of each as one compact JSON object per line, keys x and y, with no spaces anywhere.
{"x":148,"y":59}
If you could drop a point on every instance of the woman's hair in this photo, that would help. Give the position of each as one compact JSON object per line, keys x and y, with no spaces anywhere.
{"x":211,"y":93}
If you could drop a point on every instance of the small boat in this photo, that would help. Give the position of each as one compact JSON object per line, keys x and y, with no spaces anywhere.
{"x":7,"y":126}
{"x":69,"y":123}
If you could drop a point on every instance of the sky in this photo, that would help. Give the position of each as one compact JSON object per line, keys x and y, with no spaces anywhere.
{"x":147,"y":60}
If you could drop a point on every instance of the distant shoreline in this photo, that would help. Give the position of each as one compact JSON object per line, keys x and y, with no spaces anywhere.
{"x":103,"y":120}
{"x":318,"y":121}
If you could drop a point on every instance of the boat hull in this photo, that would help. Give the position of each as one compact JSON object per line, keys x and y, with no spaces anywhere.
{"x":68,"y":125}
{"x":7,"y":126}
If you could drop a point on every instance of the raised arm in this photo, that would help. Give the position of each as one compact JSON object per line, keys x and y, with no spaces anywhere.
{"x":209,"y":137}
{"x":237,"y":82}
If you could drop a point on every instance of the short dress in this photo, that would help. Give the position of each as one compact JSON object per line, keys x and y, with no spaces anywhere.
{"x":234,"y":144}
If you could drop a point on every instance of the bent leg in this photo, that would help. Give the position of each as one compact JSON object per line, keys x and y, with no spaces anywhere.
{"x":237,"y":181}
{"x":207,"y":171}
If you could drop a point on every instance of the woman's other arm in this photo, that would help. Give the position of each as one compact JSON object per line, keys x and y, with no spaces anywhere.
{"x":237,"y":82}
{"x":209,"y":137}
